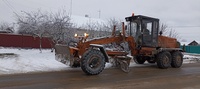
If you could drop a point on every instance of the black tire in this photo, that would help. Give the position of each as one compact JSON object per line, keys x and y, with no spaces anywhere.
{"x":93,"y":62}
{"x":177,"y":59}
{"x":150,"y":60}
{"x":76,"y":64}
{"x":139,"y":60}
{"x":164,"y":60}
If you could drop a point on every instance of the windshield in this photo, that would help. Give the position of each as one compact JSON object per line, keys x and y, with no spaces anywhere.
{"x":132,"y":28}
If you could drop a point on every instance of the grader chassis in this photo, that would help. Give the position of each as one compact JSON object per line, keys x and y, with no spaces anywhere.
{"x":144,"y":42}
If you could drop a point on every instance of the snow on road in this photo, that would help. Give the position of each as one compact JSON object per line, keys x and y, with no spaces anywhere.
{"x":32,"y":60}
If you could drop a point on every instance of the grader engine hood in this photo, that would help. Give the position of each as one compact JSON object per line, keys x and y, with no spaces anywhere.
{"x":167,"y":42}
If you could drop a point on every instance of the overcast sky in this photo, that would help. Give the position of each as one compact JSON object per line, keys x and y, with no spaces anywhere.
{"x":181,"y":15}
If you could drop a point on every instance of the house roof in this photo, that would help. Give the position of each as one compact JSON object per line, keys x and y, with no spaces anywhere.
{"x":193,"y":43}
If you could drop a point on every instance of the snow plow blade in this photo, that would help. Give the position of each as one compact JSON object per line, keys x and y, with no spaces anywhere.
{"x":62,"y":54}
{"x":123,"y":63}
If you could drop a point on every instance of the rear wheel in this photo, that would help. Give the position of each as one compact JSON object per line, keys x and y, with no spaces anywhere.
{"x":139,"y":60}
{"x":164,"y":60}
{"x":93,"y":62}
{"x":177,"y":59}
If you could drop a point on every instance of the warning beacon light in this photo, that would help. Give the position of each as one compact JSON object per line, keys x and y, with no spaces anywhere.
{"x":133,"y":14}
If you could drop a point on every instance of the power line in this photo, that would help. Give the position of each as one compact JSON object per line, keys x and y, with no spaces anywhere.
{"x":71,"y":8}
{"x":9,"y":4}
{"x":11,"y":7}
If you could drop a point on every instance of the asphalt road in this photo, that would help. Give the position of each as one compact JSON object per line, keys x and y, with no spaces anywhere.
{"x":140,"y":77}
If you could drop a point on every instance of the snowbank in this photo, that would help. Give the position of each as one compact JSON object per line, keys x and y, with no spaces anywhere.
{"x":191,"y":58}
{"x":29,"y":61}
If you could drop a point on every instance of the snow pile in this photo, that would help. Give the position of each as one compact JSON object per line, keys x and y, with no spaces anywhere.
{"x":28,"y":61}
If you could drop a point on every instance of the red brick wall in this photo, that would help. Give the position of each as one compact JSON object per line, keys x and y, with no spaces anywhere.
{"x":24,"y":41}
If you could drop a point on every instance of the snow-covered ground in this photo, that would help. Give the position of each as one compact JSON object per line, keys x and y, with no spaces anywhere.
{"x":191,"y":58}
{"x":32,"y":60}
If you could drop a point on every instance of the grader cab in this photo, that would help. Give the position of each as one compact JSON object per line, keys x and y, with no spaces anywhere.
{"x":141,"y":34}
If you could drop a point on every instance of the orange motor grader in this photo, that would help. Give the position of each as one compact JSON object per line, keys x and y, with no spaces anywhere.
{"x":144,"y":41}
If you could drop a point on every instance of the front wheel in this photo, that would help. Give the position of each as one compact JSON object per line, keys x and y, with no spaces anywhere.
{"x":139,"y":60}
{"x":93,"y":62}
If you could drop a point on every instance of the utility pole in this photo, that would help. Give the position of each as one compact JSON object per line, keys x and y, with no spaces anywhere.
{"x":70,"y":8}
{"x":99,"y":13}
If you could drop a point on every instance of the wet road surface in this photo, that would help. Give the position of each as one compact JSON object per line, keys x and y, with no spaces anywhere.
{"x":140,"y":77}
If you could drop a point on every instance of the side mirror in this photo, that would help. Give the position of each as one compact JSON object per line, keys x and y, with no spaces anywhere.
{"x":160,"y":33}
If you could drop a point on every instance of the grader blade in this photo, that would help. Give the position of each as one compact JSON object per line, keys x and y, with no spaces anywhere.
{"x":124,"y":66}
{"x":62,"y":54}
{"x":124,"y":63}
{"x":121,"y":62}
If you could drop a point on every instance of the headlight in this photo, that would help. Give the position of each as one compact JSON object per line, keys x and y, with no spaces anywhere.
{"x":75,"y":35}
{"x":85,"y":34}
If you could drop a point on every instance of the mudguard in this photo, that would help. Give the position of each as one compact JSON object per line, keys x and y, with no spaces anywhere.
{"x":101,"y":48}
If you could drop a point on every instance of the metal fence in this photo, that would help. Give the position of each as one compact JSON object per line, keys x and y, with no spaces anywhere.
{"x":191,"y":49}
{"x":24,"y":41}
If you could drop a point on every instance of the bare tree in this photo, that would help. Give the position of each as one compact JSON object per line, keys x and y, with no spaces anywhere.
{"x":113,"y":21}
{"x":6,"y":27}
{"x":109,"y":26}
{"x":61,"y":27}
{"x":38,"y":23}
{"x":30,"y":23}
{"x":163,"y":29}
{"x":167,"y":31}
{"x":56,"y":26}
{"x":172,"y":33}
{"x":97,"y":29}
